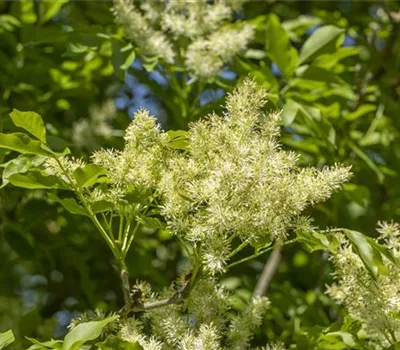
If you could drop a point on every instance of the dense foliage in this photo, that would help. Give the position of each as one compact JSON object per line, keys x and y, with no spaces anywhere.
{"x":167,"y":169}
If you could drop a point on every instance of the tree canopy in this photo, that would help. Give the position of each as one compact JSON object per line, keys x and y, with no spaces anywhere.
{"x":199,"y":174}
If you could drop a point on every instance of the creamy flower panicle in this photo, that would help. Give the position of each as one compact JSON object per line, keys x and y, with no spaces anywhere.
{"x":202,"y":322}
{"x":374,"y":303}
{"x":206,"y":40}
{"x":236,"y":182}
{"x":230,"y":186}
{"x":233,"y":185}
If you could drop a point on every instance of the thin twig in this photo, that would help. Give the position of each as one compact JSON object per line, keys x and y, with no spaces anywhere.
{"x":269,"y":271}
{"x":126,"y":288}
{"x":176,"y":298}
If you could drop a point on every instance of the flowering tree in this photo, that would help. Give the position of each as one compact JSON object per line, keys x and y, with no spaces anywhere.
{"x":216,"y":184}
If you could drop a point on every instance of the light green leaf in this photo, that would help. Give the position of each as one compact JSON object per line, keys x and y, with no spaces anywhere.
{"x":151,"y":222}
{"x":51,"y":344}
{"x":323,"y":41}
{"x":102,"y":205}
{"x":88,"y":175}
{"x":50,"y":8}
{"x":46,"y":148}
{"x":129,"y":60}
{"x":31,"y":122}
{"x":360,"y":111}
{"x":19,"y":165}
{"x":177,"y":139}
{"x":85,"y":332}
{"x":22,"y":143}
{"x":368,"y":253}
{"x":331,"y":60}
{"x":279,"y":48}
{"x":297,"y":27}
{"x":69,"y":204}
{"x":114,"y":342}
{"x":338,"y":340}
{"x":314,"y":240}
{"x":6,"y":338}
{"x":35,"y":180}
{"x":292,"y":108}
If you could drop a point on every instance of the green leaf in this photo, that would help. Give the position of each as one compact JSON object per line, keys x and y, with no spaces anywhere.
{"x":51,"y":344}
{"x":56,"y":154}
{"x":35,"y":180}
{"x":101,"y":206}
{"x":331,"y":60}
{"x":360,"y":111}
{"x":337,"y":340}
{"x":19,"y":165}
{"x":88,"y":175}
{"x":314,"y":240}
{"x":50,"y":9}
{"x":297,"y":27}
{"x":85,"y":332}
{"x":31,"y":122}
{"x":323,"y":41}
{"x":149,"y":63}
{"x":6,"y":338}
{"x":129,"y":60}
{"x":374,"y":167}
{"x":69,"y":204}
{"x":177,"y":139}
{"x":151,"y":222}
{"x":279,"y":48}
{"x":292,"y":108}
{"x":114,"y":342}
{"x":369,"y":253}
{"x":322,"y":75}
{"x":22,"y":143}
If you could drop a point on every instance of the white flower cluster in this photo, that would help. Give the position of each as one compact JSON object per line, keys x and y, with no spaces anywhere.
{"x":375,"y":303}
{"x":235,"y":182}
{"x":141,"y":163}
{"x":200,"y":29}
{"x":201,"y":323}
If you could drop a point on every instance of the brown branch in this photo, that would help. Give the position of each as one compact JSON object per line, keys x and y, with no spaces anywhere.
{"x":135,"y":305}
{"x":177,"y":298}
{"x":269,"y":271}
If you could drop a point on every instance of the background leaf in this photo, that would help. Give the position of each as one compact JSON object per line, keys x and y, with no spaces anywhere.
{"x":324,"y":40}
{"x":279,"y":48}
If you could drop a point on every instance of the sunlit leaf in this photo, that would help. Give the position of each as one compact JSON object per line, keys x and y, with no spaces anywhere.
{"x":177,"y":139}
{"x":22,"y":143}
{"x":6,"y":338}
{"x":369,"y":252}
{"x":31,"y":122}
{"x":36,"y":180}
{"x":51,"y":344}
{"x":112,"y":343}
{"x":314,"y":240}
{"x":88,"y":175}
{"x":85,"y":332}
